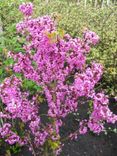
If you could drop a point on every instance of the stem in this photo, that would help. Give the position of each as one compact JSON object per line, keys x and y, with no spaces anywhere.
{"x":1,"y":121}
{"x":1,"y":109}
{"x":46,"y":150}
{"x":43,"y":115}
{"x":31,"y":145}
{"x":85,"y":3}
{"x":67,"y":138}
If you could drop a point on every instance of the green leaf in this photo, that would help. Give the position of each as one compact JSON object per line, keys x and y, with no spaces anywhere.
{"x":54,"y":145}
{"x":1,"y":71}
{"x":18,"y":75}
{"x":9,"y":61}
{"x":31,"y":85}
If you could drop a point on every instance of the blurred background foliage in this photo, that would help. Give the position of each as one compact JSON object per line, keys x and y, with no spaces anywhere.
{"x":72,"y":17}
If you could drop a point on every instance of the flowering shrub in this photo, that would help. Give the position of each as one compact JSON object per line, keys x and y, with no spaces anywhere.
{"x":56,"y":64}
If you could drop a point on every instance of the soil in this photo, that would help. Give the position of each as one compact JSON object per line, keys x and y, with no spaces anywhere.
{"x":91,"y":144}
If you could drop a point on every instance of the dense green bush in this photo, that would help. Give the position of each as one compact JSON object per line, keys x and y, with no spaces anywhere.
{"x":73,"y":18}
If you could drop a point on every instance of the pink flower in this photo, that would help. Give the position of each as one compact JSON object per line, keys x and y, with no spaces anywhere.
{"x":83,"y":127}
{"x":91,"y":37}
{"x":95,"y":127}
{"x":26,"y":8}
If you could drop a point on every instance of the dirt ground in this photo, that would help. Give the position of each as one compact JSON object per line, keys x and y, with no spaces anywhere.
{"x":91,"y":144}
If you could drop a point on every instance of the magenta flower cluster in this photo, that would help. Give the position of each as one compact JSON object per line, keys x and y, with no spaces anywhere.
{"x":9,"y":136}
{"x":57,"y":63}
{"x":26,"y":8}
